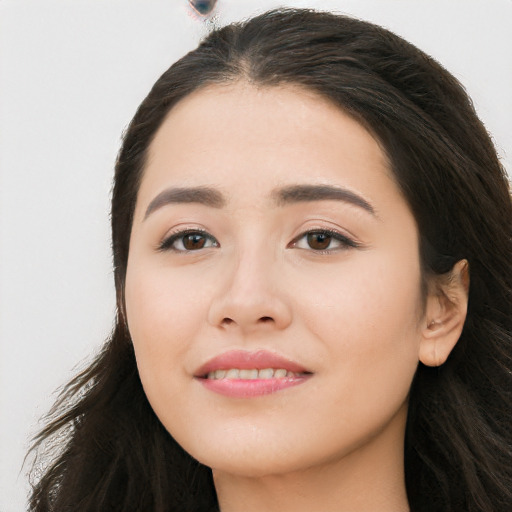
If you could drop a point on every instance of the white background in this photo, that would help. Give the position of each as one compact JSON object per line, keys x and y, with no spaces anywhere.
{"x":71,"y":77}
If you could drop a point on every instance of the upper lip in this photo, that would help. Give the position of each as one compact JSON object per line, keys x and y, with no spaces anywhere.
{"x":246,"y":360}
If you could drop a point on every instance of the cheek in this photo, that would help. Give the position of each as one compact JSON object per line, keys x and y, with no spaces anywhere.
{"x":163,"y":310}
{"x":367,"y":317}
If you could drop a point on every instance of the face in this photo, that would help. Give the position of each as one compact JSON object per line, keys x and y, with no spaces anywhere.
{"x":270,"y":237}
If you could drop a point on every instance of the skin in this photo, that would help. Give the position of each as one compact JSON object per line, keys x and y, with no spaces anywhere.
{"x":353,"y":316}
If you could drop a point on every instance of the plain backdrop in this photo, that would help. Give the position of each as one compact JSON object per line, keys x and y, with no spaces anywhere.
{"x":71,"y":77}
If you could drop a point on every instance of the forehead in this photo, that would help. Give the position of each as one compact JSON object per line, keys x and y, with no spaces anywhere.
{"x":241,"y":137}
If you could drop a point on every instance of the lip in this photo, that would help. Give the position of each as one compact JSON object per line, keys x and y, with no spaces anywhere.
{"x":248,"y":388}
{"x":245,"y":360}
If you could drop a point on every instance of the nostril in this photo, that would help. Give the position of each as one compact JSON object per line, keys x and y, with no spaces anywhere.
{"x":246,"y":322}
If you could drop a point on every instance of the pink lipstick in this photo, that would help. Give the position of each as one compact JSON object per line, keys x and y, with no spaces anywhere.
{"x":242,"y":374}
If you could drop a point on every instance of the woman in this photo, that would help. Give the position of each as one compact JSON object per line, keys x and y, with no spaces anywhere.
{"x":311,"y":234}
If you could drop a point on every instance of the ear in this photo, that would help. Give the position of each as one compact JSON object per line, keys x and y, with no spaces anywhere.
{"x":445,"y":314}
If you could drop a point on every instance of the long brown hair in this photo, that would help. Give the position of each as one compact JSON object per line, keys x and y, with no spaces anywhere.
{"x":112,"y":451}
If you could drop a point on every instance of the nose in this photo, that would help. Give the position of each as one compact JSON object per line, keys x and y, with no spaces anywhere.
{"x":252,"y":296}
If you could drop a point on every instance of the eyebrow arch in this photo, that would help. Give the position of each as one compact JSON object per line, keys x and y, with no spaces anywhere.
{"x":304,"y":193}
{"x":203,"y":195}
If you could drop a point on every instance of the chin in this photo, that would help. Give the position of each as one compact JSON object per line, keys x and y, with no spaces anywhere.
{"x":255,"y":467}
{"x":264,"y":453}
{"x":247,"y":454}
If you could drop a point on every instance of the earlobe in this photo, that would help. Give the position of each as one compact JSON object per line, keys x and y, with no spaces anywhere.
{"x":445,"y":315}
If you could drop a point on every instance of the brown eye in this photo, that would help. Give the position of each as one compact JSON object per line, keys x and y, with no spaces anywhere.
{"x":185,"y":241}
{"x":324,"y":241}
{"x":319,"y":241}
{"x":194,"y":241}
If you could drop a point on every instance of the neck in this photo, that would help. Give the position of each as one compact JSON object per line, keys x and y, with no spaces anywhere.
{"x":369,"y":478}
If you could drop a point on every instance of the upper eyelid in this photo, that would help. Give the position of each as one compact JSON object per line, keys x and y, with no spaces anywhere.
{"x":322,"y":223}
{"x":177,"y":231}
{"x":342,"y":234}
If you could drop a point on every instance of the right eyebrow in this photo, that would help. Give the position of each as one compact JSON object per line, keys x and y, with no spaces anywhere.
{"x":202,"y":195}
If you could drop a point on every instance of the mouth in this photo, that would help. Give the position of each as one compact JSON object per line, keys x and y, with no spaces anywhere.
{"x":252,"y":374}
{"x":241,"y":374}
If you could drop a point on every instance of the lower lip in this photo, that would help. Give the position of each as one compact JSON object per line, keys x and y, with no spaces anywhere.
{"x":248,"y":388}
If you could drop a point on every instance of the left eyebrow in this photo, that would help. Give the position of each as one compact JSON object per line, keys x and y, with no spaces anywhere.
{"x":306,"y":193}
{"x":202,"y":195}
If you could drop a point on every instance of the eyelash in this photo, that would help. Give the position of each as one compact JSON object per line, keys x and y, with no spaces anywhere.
{"x":344,"y":241}
{"x":167,"y":244}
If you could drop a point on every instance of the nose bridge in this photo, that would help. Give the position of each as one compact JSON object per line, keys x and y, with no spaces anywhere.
{"x":251,"y":293}
{"x":253,"y":268}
